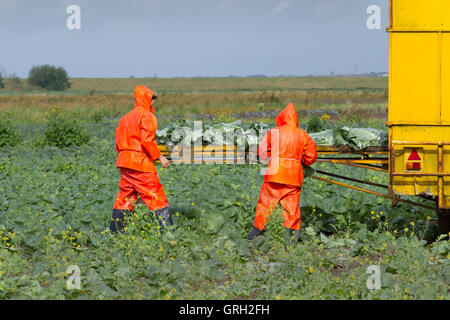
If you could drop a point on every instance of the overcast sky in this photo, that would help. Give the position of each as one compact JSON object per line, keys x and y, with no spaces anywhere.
{"x":170,"y":38}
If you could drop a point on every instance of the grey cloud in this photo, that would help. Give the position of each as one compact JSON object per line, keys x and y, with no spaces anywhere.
{"x":283,"y":5}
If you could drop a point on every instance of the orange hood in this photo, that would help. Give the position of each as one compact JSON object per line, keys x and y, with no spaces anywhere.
{"x":287,"y":116}
{"x":143,"y":98}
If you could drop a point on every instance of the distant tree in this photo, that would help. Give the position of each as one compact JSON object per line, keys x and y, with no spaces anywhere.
{"x":14,"y":82}
{"x":2,"y":85}
{"x":257,"y":76}
{"x":49,"y":77}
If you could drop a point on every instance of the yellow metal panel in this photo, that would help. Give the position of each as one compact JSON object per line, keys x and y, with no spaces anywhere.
{"x":429,"y":155}
{"x":419,"y":95}
{"x":414,"y":77}
{"x":445,"y":74}
{"x":420,"y":15}
{"x":410,"y":185}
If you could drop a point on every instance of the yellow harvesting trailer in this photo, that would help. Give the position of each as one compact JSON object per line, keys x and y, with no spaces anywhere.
{"x":419,"y":101}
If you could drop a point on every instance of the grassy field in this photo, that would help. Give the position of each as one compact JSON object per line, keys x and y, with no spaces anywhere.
{"x":194,"y":85}
{"x":219,"y":96}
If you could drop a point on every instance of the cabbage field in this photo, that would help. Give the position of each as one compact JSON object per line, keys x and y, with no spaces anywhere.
{"x":56,"y":204}
{"x":59,"y":182}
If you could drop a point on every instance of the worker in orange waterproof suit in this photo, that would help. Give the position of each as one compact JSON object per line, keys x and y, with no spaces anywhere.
{"x":137,"y":148}
{"x":287,"y":148}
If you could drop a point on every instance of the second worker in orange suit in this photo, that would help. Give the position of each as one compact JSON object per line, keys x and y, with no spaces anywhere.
{"x":287,"y":148}
{"x":137,"y":148}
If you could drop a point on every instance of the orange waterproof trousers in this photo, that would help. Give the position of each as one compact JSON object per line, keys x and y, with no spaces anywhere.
{"x":287,"y":195}
{"x":145,"y":184}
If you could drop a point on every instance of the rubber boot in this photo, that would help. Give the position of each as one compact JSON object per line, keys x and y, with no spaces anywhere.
{"x":293,"y":234}
{"x":254,"y":233}
{"x":164,"y":217}
{"x":117,"y":220}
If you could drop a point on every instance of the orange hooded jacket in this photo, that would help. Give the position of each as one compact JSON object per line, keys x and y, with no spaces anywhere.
{"x":288,"y":148}
{"x":136,"y":134}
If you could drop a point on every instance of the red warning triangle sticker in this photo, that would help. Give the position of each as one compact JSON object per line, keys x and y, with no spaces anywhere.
{"x":414,"y":156}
